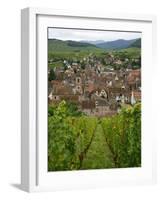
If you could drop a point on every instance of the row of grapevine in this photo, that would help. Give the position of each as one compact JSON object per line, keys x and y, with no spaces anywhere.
{"x":85,"y":128}
{"x":123,"y":136}
{"x":68,"y":139}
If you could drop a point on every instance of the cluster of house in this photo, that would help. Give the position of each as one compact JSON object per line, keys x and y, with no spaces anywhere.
{"x":97,"y":90}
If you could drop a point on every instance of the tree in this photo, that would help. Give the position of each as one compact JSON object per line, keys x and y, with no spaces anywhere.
{"x":83,"y":65}
{"x":52,"y":75}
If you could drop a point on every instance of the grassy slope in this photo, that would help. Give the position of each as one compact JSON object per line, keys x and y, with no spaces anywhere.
{"x":69,"y":50}
{"x":137,"y":43}
{"x":67,"y":55}
{"x":69,"y":46}
{"x":98,"y":155}
{"x":131,"y":52}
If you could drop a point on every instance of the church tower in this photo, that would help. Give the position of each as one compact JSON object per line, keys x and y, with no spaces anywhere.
{"x":79,"y":85}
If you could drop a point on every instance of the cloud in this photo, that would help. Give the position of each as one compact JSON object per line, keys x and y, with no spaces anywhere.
{"x":92,"y":35}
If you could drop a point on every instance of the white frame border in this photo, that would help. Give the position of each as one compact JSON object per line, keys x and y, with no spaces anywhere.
{"x":29,"y":84}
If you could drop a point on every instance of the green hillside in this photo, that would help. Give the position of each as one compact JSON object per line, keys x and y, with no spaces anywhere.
{"x":59,"y":50}
{"x":73,"y":51}
{"x":132,"y":52}
{"x":55,"y":45}
{"x":137,"y":43}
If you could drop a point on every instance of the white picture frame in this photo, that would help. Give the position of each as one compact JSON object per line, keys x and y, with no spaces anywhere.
{"x":34,"y":176}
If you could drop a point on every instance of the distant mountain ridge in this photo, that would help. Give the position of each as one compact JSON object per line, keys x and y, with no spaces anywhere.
{"x":116,"y":44}
{"x":95,"y":42}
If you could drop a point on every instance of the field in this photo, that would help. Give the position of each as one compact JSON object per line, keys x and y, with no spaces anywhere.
{"x":80,"y":142}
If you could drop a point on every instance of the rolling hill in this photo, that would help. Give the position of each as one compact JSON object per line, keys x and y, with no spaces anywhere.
{"x":69,"y":45}
{"x":137,"y":43}
{"x":55,"y":45}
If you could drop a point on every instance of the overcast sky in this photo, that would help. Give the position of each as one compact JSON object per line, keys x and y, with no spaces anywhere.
{"x":92,"y":35}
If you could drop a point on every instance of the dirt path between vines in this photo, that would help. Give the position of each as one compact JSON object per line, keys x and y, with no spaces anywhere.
{"x":98,"y":154}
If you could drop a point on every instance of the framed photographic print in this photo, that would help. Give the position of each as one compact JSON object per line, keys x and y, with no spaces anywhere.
{"x":86,"y":99}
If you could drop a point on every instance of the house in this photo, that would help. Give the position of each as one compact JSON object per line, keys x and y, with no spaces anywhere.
{"x":134,"y":79}
{"x":88,"y":107}
{"x":135,"y":97}
{"x":103,"y":94}
{"x":103,"y":108}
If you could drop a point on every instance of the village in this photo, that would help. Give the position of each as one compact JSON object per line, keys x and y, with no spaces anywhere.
{"x":98,"y":89}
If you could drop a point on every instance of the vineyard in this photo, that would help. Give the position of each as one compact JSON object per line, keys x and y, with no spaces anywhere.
{"x":76,"y":141}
